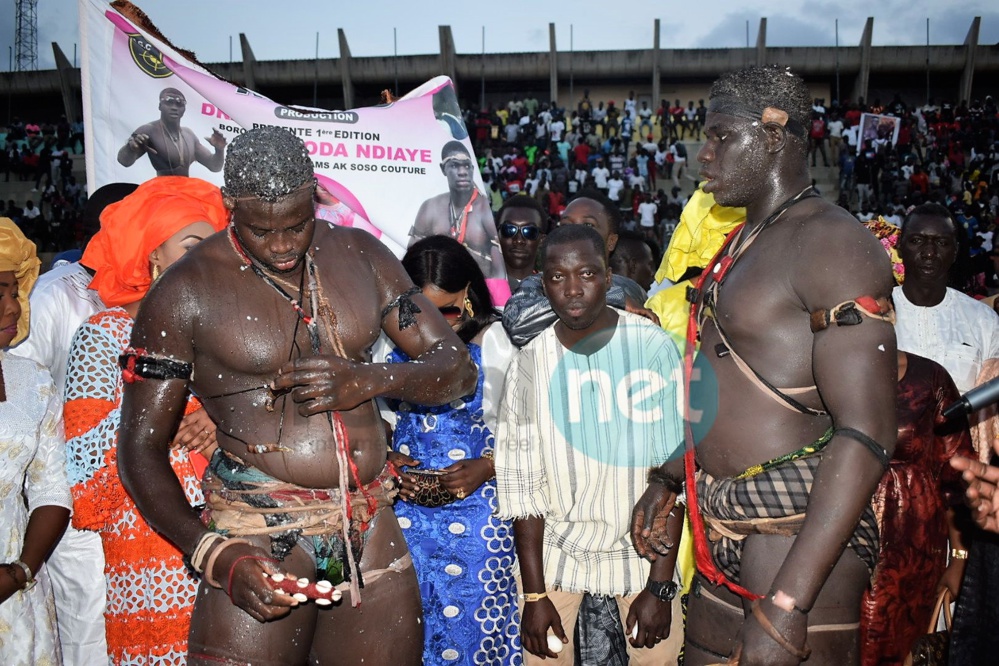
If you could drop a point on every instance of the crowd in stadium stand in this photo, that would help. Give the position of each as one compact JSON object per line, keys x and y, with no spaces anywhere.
{"x":942,"y":153}
{"x":638,"y":157}
{"x":42,"y":155}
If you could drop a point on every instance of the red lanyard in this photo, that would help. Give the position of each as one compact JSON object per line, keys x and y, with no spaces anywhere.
{"x":463,"y":225}
{"x":702,"y":552}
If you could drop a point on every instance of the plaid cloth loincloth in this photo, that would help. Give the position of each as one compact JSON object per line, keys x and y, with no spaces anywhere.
{"x":773,"y":500}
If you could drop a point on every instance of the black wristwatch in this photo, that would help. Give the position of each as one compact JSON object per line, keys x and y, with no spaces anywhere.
{"x":662,"y":590}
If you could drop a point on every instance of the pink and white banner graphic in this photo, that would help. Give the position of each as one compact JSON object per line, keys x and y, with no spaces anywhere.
{"x":396,"y":170}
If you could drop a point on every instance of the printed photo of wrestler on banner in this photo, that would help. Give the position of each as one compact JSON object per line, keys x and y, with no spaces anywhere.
{"x":172,"y":148}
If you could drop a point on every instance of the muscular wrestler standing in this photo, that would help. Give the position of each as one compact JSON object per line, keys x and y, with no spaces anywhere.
{"x":270,"y":323}
{"x":794,"y":322}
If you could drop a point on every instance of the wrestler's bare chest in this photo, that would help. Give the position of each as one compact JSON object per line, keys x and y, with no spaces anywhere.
{"x":764,"y":323}
{"x":256,"y":327}
{"x":242,"y":344}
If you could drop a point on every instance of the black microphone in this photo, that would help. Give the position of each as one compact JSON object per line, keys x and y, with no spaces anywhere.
{"x":978,"y":397}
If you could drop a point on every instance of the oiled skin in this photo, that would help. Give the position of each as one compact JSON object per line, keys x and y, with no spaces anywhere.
{"x":240,"y":333}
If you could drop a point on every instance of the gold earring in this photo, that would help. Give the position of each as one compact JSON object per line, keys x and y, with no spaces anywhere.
{"x":156,"y":272}
{"x":468,"y":307}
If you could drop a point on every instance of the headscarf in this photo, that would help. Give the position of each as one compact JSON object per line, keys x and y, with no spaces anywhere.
{"x":18,"y":254}
{"x":701,"y":232}
{"x":138,"y":224}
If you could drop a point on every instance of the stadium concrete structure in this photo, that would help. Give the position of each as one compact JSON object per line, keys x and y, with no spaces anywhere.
{"x":946,"y":72}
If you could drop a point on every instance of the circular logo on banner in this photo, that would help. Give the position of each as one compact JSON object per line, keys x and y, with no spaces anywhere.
{"x":147,"y":57}
{"x":620,"y":401}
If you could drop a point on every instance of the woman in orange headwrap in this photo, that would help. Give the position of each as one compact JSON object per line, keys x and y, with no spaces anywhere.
{"x":150,"y":591}
{"x":34,"y":495}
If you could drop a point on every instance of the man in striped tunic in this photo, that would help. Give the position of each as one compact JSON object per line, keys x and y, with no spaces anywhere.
{"x":589,"y":405}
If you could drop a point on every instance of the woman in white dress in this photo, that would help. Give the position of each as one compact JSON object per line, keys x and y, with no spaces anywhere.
{"x":35,"y":501}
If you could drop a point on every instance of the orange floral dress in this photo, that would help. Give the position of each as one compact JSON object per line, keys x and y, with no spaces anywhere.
{"x":150,"y":591}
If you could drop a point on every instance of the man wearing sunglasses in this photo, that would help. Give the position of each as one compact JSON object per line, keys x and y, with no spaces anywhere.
{"x":463,"y":213}
{"x":528,"y":312}
{"x":172,"y":149}
{"x":522,"y":223}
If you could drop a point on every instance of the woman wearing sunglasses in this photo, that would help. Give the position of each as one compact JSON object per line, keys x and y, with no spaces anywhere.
{"x":463,"y":555}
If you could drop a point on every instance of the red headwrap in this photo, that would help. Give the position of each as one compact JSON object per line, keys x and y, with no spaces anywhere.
{"x":138,"y":224}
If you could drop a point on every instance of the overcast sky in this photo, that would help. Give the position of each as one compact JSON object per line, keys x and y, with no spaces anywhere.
{"x":287,"y":29}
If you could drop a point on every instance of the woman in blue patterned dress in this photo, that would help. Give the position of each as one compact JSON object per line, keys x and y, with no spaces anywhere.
{"x":463,"y":555}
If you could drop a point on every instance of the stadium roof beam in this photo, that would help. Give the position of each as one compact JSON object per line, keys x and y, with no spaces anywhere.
{"x":552,"y":63}
{"x":656,"y":68}
{"x":864,"y":75}
{"x":345,"y":72}
{"x":448,"y":56}
{"x":970,"y":47}
{"x":249,"y":63}
{"x":761,"y":43}
{"x":69,"y":81}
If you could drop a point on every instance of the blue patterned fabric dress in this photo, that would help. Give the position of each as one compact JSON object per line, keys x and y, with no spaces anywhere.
{"x":463,"y":556}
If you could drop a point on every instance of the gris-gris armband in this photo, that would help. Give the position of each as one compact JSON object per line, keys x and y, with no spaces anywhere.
{"x":668,"y":481}
{"x":873,"y":446}
{"x":137,"y":365}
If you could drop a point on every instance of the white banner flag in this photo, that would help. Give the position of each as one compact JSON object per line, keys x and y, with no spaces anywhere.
{"x":401,"y":171}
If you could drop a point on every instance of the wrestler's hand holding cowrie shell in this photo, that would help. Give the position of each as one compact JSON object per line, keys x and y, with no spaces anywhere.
{"x":322,"y":592}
